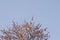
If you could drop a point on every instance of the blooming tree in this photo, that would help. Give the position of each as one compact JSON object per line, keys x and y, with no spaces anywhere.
{"x":26,"y":31}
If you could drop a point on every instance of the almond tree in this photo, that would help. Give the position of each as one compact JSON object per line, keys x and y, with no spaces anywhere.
{"x":26,"y":31}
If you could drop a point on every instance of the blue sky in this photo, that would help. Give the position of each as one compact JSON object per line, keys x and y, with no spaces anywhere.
{"x":46,"y":12}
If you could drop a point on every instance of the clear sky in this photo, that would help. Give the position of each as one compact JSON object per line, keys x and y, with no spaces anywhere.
{"x":46,"y":12}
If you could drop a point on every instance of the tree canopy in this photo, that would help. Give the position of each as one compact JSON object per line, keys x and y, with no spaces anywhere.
{"x":25,"y":31}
